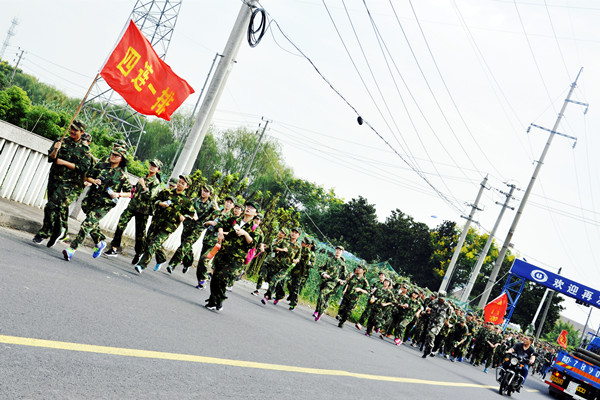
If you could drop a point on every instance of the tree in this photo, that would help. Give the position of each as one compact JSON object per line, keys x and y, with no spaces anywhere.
{"x":14,"y":105}
{"x":572,"y":334}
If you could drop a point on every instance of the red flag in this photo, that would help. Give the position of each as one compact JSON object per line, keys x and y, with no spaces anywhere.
{"x":494,"y":311}
{"x":562,"y":339}
{"x":146,"y":82}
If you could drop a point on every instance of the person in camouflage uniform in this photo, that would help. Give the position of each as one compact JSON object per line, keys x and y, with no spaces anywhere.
{"x":172,"y":206}
{"x":332,"y":273}
{"x":277,"y":251}
{"x":457,"y":338}
{"x":410,"y":307}
{"x":356,"y":285}
{"x":288,"y":256}
{"x":440,"y":342}
{"x":66,"y":173}
{"x":258,"y":241}
{"x":140,"y":207}
{"x":110,"y":182}
{"x":364,"y":318}
{"x":232,"y":256}
{"x":420,"y":330}
{"x":382,"y":299}
{"x":439,"y":314}
{"x":211,"y":239}
{"x":299,"y":274}
{"x":493,"y":340}
{"x":192,"y":230}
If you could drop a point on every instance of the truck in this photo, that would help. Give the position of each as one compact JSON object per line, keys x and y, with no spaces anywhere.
{"x":577,"y":374}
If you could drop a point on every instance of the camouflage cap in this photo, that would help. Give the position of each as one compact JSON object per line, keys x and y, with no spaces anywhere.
{"x":120,"y":143}
{"x":297,"y":229}
{"x":186,"y":178}
{"x":441,"y":294}
{"x":339,"y":247}
{"x":78,"y":125}
{"x":120,"y":151}
{"x":253,"y":204}
{"x":285,"y":230}
{"x":231,"y":198}
{"x":208,"y":188}
{"x":86,"y":137}
{"x":157,"y":163}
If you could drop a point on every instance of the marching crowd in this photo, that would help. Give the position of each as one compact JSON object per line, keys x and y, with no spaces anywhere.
{"x":394,"y":309}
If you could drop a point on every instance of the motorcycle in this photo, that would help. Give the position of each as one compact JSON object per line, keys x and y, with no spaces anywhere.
{"x":511,"y":376}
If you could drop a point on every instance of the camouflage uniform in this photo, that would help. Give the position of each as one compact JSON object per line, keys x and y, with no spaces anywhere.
{"x":98,"y":203}
{"x":299,"y":274}
{"x":336,"y":269}
{"x":140,"y":207}
{"x":438,"y":315}
{"x":192,"y":230}
{"x":230,"y":258}
{"x":164,"y":222}
{"x":420,"y":330}
{"x":380,"y":314}
{"x":408,"y":315}
{"x":351,"y":296}
{"x":208,"y":243}
{"x":271,"y":265}
{"x":62,"y":182}
{"x":364,"y":318}
{"x":457,"y":338}
{"x":279,"y":271}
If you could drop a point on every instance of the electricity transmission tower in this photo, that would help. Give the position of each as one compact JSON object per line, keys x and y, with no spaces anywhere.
{"x":156,"y":19}
{"x":9,"y":34}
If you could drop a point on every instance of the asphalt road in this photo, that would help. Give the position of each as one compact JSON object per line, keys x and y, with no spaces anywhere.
{"x":93,"y":328}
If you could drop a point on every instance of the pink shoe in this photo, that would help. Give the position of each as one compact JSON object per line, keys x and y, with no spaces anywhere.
{"x":275,"y":302}
{"x":358,"y":326}
{"x":318,"y":317}
{"x":398,"y":341}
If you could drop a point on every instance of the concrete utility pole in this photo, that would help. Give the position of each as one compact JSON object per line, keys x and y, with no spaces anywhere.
{"x":446,"y":281}
{"x":548,"y":303}
{"x":16,"y":66}
{"x":256,"y":148}
{"x":193,"y":143}
{"x":486,"y":248}
{"x":490,"y":283}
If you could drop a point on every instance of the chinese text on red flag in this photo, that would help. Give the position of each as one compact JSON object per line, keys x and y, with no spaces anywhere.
{"x":495,"y":310}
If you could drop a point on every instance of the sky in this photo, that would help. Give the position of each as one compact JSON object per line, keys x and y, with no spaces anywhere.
{"x":449,"y":88}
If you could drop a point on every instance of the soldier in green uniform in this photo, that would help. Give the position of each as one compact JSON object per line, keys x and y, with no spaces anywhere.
{"x":288,"y":258}
{"x":140,"y":207}
{"x":439,"y":314}
{"x":278,"y":250}
{"x":299,"y":274}
{"x":192,"y":230}
{"x":211,"y":239}
{"x":410,"y":307}
{"x":356,"y":285}
{"x":109,"y":183}
{"x":332,"y":273}
{"x":172,"y":206}
{"x":364,"y":318}
{"x":420,"y":329}
{"x":457,"y":338}
{"x":493,"y":340}
{"x":232,"y":256}
{"x":258,"y":239}
{"x":70,"y":161}
{"x":382,"y":299}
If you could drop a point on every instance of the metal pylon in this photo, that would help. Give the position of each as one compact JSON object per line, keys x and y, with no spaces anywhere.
{"x":156,"y":19}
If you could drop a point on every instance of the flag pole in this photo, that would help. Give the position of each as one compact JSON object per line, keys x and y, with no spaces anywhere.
{"x":55,"y":151}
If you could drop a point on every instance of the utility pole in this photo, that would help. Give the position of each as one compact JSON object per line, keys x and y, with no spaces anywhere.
{"x":256,"y":148}
{"x":490,"y":283}
{"x":446,"y":281}
{"x":16,"y":66}
{"x":486,"y":248}
{"x":193,"y":143}
{"x":548,"y":303}
{"x":186,"y":134}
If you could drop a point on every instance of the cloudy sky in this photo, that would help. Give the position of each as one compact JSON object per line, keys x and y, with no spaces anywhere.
{"x":448,"y":86}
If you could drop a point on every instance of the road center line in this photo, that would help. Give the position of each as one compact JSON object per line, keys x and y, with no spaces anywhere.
{"x":119,"y":351}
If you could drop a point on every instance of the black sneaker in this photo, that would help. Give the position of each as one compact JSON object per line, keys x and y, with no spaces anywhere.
{"x":255,"y":293}
{"x":211,"y":306}
{"x":184,"y":270}
{"x":219,"y":307}
{"x":110,"y":253}
{"x":169,"y":269}
{"x":136,"y":259}
{"x":37,"y":239}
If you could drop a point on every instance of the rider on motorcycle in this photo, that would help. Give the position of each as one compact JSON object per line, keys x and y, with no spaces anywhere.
{"x":526,"y":351}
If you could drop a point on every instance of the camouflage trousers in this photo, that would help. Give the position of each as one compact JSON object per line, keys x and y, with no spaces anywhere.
{"x":209,"y":241}
{"x":57,"y":206}
{"x":184,"y":253}
{"x":153,"y":246}
{"x":400,"y":328}
{"x":295,"y":286}
{"x":325,"y":291}
{"x":141,"y":220}
{"x":431,"y":332}
{"x":91,"y":225}
{"x":379,"y":318}
{"x":225,"y":267}
{"x":364,"y":318}
{"x":348,"y":304}
{"x":276,"y":278}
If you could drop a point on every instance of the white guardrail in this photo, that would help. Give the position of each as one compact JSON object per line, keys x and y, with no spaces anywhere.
{"x":24,"y":176}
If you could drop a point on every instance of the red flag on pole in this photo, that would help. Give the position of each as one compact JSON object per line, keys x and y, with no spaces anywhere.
{"x":146,"y":82}
{"x":562,"y":339}
{"x":494,"y":311}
